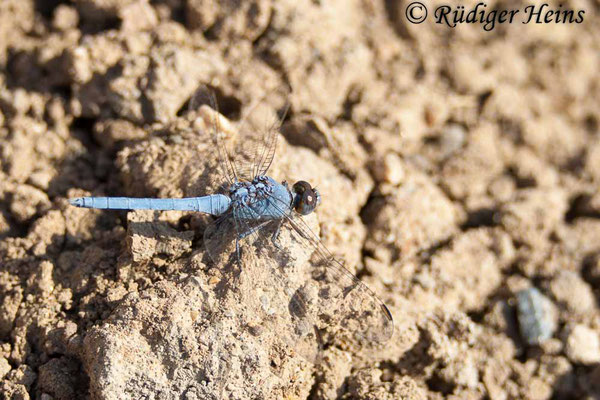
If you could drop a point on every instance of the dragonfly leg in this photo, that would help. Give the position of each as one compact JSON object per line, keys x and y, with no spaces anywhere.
{"x":238,"y":255}
{"x":275,"y":237}
{"x":252,"y":230}
{"x":237,"y":248}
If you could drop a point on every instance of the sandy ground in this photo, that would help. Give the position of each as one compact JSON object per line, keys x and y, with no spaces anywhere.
{"x":457,"y":167}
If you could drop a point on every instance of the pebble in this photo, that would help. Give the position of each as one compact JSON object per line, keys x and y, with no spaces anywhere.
{"x":569,"y":289}
{"x":582,"y":345}
{"x":453,"y":138}
{"x":390,"y":169}
{"x":65,"y":18}
{"x":537,"y":316}
{"x":4,"y":367}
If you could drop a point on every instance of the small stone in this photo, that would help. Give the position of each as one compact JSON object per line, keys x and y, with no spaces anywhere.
{"x":4,"y":225}
{"x":537,"y":316}
{"x":4,"y":367}
{"x":23,"y":375}
{"x":572,"y":291}
{"x":9,"y":306}
{"x":41,"y":179}
{"x":41,"y":281}
{"x":537,"y":388}
{"x":452,"y":138}
{"x":552,"y":346}
{"x":138,"y":16}
{"x":201,"y":14}
{"x":65,"y":18}
{"x":27,"y":201}
{"x":15,"y":392}
{"x":390,"y":170}
{"x":582,"y":345}
{"x":58,"y":376}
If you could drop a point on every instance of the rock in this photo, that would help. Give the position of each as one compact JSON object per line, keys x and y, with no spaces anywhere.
{"x":229,"y":18}
{"x":546,"y":136}
{"x":530,"y":170}
{"x":176,"y":339}
{"x":60,"y":378}
{"x":65,"y":18}
{"x":537,"y":316}
{"x":470,"y":171}
{"x":173,"y":78}
{"x":28,"y":201}
{"x":138,"y":16}
{"x":582,"y":345}
{"x":8,"y":310}
{"x":14,"y":391}
{"x":4,"y":367}
{"x":413,"y":217}
{"x":148,"y":237}
{"x":4,"y":225}
{"x":41,"y":281}
{"x":468,"y":271}
{"x":533,"y":214}
{"x":23,"y":375}
{"x":390,"y":169}
{"x":574,"y":293}
{"x":462,"y":372}
{"x":334,"y":370}
{"x":367,"y":384}
{"x":111,"y":132}
{"x":451,"y":179}
{"x":452,"y":139}
{"x":201,"y":14}
{"x":101,"y":11}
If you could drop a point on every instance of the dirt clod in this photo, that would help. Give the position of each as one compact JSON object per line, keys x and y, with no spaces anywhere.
{"x":457,"y":168}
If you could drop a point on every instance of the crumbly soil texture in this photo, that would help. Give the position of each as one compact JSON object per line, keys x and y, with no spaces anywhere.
{"x":459,"y":171}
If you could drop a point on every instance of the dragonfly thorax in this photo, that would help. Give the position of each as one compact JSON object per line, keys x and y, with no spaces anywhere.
{"x":245,"y":192}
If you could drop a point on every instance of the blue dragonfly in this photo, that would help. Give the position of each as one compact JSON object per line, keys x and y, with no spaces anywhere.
{"x":257,"y":207}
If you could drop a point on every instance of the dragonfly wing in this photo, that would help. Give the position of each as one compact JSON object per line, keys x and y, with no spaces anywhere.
{"x":218,"y":133}
{"x":220,"y":237}
{"x":283,"y":307}
{"x":247,"y":151}
{"x":269,"y":134}
{"x":256,"y":143}
{"x":342,"y":300}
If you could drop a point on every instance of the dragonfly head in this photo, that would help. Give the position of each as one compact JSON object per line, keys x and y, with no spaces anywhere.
{"x":306,"y":198}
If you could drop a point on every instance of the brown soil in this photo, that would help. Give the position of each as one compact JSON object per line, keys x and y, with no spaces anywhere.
{"x":456,"y":166}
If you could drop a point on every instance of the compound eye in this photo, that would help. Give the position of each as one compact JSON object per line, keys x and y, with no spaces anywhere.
{"x":306,"y":199}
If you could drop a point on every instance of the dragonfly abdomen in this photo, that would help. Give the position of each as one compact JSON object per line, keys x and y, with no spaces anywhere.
{"x":215,"y":204}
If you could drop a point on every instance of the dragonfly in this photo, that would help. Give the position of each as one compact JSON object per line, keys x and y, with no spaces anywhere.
{"x":256,"y":207}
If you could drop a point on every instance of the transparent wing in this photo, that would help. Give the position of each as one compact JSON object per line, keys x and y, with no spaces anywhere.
{"x":340,"y":299}
{"x":219,"y":239}
{"x":247,"y":150}
{"x":268,"y":294}
{"x":284,"y":307}
{"x":219,"y":364}
{"x":267,"y":134}
{"x":256,"y":140}
{"x":228,"y":167}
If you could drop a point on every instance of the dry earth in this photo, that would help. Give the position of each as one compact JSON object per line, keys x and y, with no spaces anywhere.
{"x":457,"y":167}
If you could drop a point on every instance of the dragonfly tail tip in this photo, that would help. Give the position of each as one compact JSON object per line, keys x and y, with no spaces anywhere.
{"x":77,"y":201}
